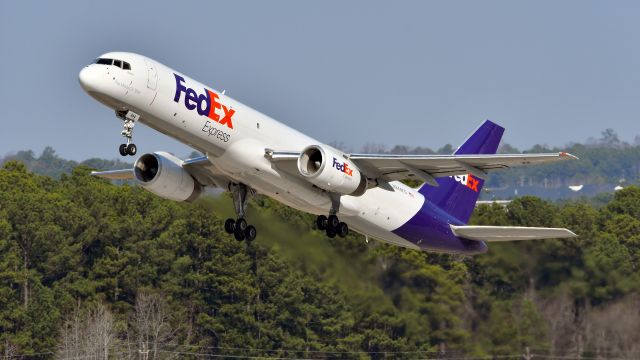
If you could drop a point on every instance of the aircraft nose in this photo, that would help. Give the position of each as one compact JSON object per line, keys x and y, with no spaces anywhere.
{"x":87,"y":78}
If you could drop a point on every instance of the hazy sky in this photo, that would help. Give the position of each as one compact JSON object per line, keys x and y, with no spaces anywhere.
{"x":420,"y":73}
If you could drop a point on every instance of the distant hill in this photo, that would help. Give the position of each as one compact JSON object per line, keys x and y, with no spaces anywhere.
{"x":50,"y":164}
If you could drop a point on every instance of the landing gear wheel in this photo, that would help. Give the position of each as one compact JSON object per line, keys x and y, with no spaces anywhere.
{"x":241,"y":224}
{"x":332,"y":222}
{"x":229,"y":226}
{"x":331,"y":232}
{"x":239,"y":227}
{"x":123,"y":149}
{"x":250,"y":233}
{"x":238,"y":234}
{"x":342,"y":229}
{"x":132,"y":149}
{"x":321,"y":222}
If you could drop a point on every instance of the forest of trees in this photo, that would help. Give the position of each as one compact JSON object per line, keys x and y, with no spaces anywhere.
{"x":89,"y":269}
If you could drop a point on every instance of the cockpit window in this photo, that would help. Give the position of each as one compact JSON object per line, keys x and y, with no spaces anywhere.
{"x":119,"y":63}
{"x":103,"y":61}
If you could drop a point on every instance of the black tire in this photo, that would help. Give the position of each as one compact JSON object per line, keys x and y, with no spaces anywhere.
{"x":123,"y":149}
{"x":321,"y":222}
{"x":239,"y":235}
{"x":331,"y":233}
{"x":229,"y":226}
{"x":342,"y":229}
{"x":332,"y":222}
{"x":250,"y":233}
{"x":241,"y":224}
{"x":132,"y":149}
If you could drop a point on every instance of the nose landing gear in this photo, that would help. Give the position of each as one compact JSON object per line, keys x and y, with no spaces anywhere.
{"x":129,"y":119}
{"x":332,"y":225}
{"x":239,"y":228}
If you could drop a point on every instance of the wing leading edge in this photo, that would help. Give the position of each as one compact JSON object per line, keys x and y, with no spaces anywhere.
{"x":124,"y":174}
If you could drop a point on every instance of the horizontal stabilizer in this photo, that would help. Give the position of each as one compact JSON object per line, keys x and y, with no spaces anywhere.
{"x":126,"y":174}
{"x":510,"y":233}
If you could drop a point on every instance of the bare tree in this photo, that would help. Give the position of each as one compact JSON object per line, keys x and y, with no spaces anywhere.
{"x":564,"y":327}
{"x":614,"y":328}
{"x":10,"y":350}
{"x":373,"y":148}
{"x":152,"y":323}
{"x":71,"y":342}
{"x":91,"y":335}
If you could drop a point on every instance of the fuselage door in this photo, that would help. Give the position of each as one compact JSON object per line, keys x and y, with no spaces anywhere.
{"x":152,"y":72}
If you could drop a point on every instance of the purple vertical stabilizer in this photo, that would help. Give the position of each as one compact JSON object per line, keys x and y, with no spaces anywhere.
{"x":457,"y":195}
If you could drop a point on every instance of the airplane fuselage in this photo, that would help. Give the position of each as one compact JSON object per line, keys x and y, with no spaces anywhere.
{"x":235,"y":136}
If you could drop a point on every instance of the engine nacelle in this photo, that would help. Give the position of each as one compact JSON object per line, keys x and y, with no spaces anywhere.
{"x":331,"y":171}
{"x":162,"y":174}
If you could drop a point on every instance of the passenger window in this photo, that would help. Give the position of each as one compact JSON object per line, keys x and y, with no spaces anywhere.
{"x":117,"y":63}
{"x":126,"y":65}
{"x":104,"y":61}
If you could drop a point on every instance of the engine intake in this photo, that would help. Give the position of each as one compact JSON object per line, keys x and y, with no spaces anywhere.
{"x":162,"y":174}
{"x":332,"y":171}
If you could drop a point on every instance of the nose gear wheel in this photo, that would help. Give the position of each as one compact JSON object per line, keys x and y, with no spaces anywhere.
{"x":129,"y":119}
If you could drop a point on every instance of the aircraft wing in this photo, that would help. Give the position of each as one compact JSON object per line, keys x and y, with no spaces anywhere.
{"x":429,"y":167}
{"x":201,"y":168}
{"x":124,"y":174}
{"x":510,"y":233}
{"x":389,"y":167}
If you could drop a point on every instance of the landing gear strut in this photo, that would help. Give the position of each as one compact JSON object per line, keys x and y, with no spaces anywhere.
{"x":239,"y":228}
{"x":129,"y":119}
{"x":332,"y":225}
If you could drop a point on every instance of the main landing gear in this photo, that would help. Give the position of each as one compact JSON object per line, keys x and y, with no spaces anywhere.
{"x":332,"y":225}
{"x":239,"y":228}
{"x":129,"y":119}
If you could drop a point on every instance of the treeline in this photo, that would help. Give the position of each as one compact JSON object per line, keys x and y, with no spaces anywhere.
{"x":94,"y":269}
{"x":605,"y":160}
{"x":49,"y":163}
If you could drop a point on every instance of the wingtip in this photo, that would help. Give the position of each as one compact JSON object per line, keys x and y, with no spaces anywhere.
{"x":568,"y":156}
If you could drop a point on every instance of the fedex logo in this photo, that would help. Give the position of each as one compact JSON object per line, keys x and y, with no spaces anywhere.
{"x":468,"y":180}
{"x":342,"y":166}
{"x":207,"y":104}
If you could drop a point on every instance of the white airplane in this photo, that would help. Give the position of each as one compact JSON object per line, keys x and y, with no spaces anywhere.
{"x":248,"y":152}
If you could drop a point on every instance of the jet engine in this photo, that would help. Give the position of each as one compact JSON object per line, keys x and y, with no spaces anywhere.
{"x":162,"y":174}
{"x":332,"y":171}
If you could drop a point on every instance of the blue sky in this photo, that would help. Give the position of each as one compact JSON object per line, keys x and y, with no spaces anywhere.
{"x":420,"y":73}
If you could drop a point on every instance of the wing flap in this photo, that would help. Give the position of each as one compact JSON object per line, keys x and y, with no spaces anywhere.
{"x":510,"y":233}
